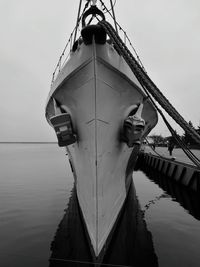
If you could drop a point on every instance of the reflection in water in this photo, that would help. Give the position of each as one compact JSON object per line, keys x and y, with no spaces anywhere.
{"x":70,"y":244}
{"x":131,"y":243}
{"x":187,"y":198}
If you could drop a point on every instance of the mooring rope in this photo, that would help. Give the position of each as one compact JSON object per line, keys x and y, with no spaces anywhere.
{"x":153,"y":91}
{"x":144,"y":79}
{"x":185,"y":149}
{"x":125,"y":35}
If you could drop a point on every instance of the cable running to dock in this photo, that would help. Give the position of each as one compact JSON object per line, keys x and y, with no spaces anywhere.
{"x":146,"y":81}
{"x":153,"y":91}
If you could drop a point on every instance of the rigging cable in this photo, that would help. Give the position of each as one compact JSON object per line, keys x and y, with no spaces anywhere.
{"x":77,"y":21}
{"x":70,"y":39}
{"x":144,"y":79}
{"x":105,"y":8}
{"x":185,"y":149}
{"x":113,"y":12}
{"x":125,"y":34}
{"x":152,"y":91}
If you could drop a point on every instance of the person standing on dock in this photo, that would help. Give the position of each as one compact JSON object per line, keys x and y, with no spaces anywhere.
{"x":170,"y":147}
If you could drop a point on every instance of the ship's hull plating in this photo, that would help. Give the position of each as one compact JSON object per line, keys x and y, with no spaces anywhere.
{"x":99,"y":97}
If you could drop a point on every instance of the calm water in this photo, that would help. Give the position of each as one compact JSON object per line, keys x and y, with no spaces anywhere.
{"x":35,"y":187}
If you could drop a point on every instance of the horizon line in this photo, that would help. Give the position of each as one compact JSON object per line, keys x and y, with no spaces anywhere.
{"x":29,"y":142}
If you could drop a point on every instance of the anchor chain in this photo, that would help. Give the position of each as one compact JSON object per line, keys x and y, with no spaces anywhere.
{"x":145,"y":80}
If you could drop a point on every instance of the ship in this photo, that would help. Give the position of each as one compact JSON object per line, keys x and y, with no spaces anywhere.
{"x":101,"y":114}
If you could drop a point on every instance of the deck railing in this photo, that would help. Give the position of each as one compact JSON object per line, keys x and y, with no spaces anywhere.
{"x":73,"y":37}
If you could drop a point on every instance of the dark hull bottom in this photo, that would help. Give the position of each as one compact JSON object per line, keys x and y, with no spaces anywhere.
{"x":130,"y":244}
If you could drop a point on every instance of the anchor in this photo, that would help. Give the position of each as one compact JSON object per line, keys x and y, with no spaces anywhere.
{"x":62,"y":125}
{"x":134,"y":127}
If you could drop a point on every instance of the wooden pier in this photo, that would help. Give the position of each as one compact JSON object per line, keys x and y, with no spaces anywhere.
{"x":176,"y":167}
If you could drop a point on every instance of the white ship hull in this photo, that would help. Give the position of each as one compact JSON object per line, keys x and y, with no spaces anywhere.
{"x":98,"y":90}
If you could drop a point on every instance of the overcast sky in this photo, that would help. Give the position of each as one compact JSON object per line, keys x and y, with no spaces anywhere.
{"x":165,"y":33}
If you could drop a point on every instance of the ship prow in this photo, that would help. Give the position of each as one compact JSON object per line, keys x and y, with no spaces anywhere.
{"x":101,"y":114}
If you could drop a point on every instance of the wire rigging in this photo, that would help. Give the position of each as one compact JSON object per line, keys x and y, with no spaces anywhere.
{"x":77,"y":22}
{"x":105,"y":8}
{"x":146,"y":81}
{"x":152,"y":91}
{"x":125,"y":34}
{"x":71,"y":40}
{"x":113,"y":13}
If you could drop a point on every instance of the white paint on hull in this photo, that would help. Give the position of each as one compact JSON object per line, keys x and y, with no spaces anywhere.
{"x":99,"y":97}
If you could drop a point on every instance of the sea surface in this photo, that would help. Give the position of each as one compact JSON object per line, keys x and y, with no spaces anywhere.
{"x":35,"y":187}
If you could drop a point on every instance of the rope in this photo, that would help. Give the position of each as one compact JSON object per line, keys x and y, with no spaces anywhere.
{"x":88,"y":263}
{"x":151,"y":88}
{"x":105,"y":8}
{"x":125,"y":34}
{"x":144,"y":79}
{"x":187,"y":151}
